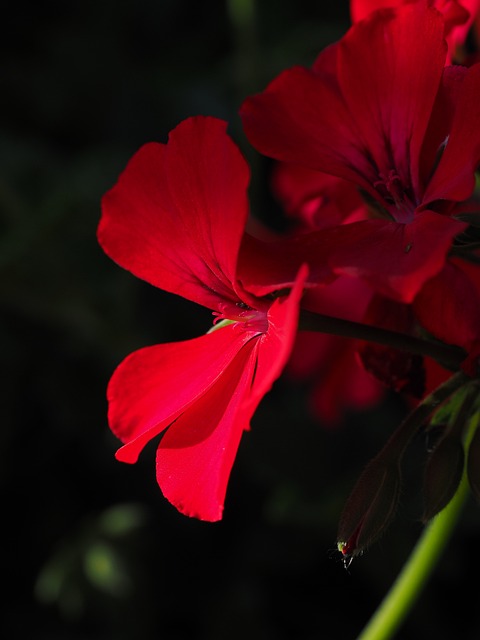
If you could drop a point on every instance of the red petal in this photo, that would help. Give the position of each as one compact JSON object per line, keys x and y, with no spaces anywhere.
{"x":448,"y":306}
{"x":454,"y":178}
{"x":396,"y":259}
{"x":195,"y":456}
{"x":177,"y":214}
{"x":314,"y":199}
{"x":155,"y":385}
{"x":390,"y":67}
{"x":277,"y":343}
{"x":267,"y":267}
{"x":360,"y":9}
{"x":373,"y":117}
{"x":301,"y":118}
{"x":440,"y":123}
{"x":454,"y":13}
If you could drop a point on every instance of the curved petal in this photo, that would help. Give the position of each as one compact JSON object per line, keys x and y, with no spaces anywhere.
{"x":448,"y":306}
{"x":301,"y":118}
{"x":265,"y":267}
{"x":177,"y":214}
{"x":389,"y":70}
{"x":454,"y":178}
{"x":153,"y":386}
{"x":396,"y":259}
{"x":275,"y":346}
{"x":195,"y":456}
{"x":458,"y":19}
{"x":314,"y":199}
{"x":370,"y":119}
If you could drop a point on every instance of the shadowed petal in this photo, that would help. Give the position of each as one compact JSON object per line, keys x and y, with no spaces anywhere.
{"x":396,"y":259}
{"x":448,"y":306}
{"x":371,"y":117}
{"x":454,"y":178}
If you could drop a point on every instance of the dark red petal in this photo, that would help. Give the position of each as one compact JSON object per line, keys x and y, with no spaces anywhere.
{"x":396,"y":259}
{"x":360,"y":9}
{"x":390,"y":67}
{"x":301,"y":118}
{"x":177,"y":214}
{"x":152,"y":387}
{"x":195,"y":456}
{"x":448,"y":305}
{"x":373,"y":118}
{"x":454,"y":178}
{"x":267,"y":267}
{"x":313,"y":199}
{"x":454,"y":13}
{"x":440,"y":123}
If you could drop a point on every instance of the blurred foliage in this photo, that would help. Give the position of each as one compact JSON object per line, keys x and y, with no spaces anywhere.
{"x":91,"y":549}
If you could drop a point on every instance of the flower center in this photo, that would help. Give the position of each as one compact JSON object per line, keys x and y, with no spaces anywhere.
{"x":391,"y":188}
{"x":251,"y":319}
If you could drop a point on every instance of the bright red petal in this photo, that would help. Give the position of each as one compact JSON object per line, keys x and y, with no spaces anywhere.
{"x":396,"y":259}
{"x":177,"y":214}
{"x":195,"y":456}
{"x":152,"y":387}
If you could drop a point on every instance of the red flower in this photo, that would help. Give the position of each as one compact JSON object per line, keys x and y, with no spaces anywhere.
{"x":380,"y":109}
{"x":176,"y":219}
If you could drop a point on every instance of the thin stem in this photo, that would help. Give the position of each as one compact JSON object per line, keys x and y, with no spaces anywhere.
{"x":449,"y":356}
{"x":407,"y":588}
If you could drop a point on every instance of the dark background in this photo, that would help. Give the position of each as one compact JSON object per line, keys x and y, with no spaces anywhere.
{"x":90,"y":547}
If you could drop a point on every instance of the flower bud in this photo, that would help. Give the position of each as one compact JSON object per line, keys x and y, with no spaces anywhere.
{"x":370,"y":507}
{"x":443,"y":473}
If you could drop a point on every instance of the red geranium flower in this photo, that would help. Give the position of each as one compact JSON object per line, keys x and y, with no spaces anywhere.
{"x":176,"y":219}
{"x":380,"y":109}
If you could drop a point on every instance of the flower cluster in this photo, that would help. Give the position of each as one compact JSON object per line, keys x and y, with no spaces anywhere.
{"x":375,"y":285}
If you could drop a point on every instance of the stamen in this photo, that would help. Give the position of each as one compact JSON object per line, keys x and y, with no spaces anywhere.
{"x":251,"y":319}
{"x":393,"y":191}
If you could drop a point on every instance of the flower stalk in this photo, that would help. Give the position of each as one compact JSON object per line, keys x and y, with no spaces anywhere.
{"x":405,"y":591}
{"x":448,"y":355}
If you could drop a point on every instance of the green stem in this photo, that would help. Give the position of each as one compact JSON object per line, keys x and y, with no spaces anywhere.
{"x":448,"y":355}
{"x":407,"y":588}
